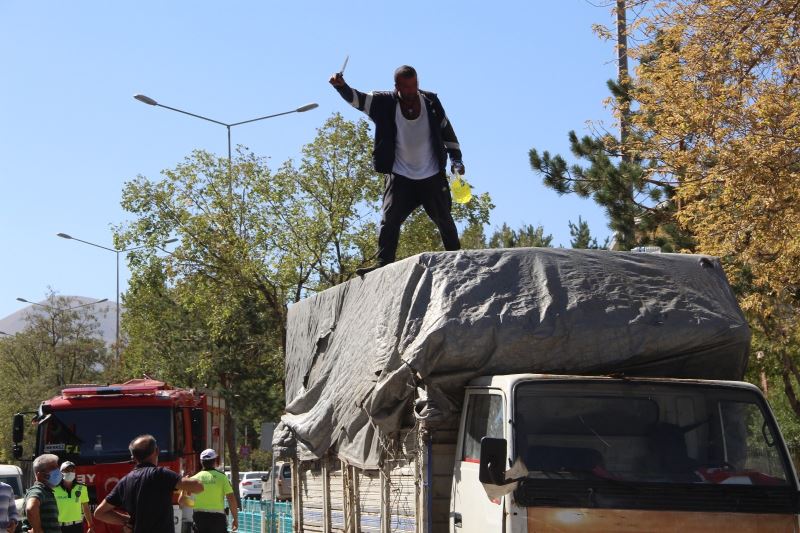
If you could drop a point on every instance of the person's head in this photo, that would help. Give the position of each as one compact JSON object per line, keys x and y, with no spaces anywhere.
{"x":144,"y":449}
{"x":208,"y":458}
{"x":405,"y":82}
{"x":68,"y":470}
{"x":45,"y":468}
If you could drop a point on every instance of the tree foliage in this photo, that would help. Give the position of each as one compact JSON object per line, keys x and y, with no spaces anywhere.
{"x":582,"y":236}
{"x":61,"y":344}
{"x":627,"y":181}
{"x":720,"y":109}
{"x":525,"y":237}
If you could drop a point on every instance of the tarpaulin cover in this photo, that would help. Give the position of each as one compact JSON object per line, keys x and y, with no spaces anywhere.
{"x":360,"y":354}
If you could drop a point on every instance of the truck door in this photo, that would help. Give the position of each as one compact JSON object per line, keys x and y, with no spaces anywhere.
{"x":471,"y":509}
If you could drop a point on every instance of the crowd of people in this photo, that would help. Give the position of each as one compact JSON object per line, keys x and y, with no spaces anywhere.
{"x":141,"y":502}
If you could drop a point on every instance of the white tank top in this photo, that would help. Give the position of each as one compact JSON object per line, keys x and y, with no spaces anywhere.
{"x":413,"y":155}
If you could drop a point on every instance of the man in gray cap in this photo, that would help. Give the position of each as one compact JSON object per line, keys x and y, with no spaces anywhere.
{"x":209,"y":505}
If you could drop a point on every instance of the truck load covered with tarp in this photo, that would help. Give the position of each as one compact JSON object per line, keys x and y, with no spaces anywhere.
{"x":378,"y":355}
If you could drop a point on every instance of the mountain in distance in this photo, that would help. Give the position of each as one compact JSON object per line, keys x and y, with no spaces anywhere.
{"x":105,"y":312}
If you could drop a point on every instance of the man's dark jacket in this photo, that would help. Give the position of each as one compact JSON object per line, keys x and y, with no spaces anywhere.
{"x":381,"y":107}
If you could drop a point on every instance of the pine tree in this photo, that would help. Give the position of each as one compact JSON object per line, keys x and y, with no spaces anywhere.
{"x":527,"y":236}
{"x":582,"y":237}
{"x":637,"y":200}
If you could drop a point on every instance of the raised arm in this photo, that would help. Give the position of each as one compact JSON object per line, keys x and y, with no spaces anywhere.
{"x":189,"y":485}
{"x":357,"y":99}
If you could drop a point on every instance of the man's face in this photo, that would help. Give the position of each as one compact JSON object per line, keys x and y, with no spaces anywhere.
{"x":45,"y":473}
{"x":407,"y":88}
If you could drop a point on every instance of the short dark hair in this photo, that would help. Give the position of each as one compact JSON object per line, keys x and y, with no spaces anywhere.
{"x":209,"y":464}
{"x":142,"y":447}
{"x":404,"y":71}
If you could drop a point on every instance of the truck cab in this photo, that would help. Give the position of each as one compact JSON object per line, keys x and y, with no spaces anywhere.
{"x":603,"y":453}
{"x":283,"y":482}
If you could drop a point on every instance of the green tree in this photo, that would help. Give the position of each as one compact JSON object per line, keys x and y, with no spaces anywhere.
{"x":582,"y":236}
{"x":473,"y":237}
{"x":638,"y":198}
{"x":524,"y":237}
{"x":60,"y":344}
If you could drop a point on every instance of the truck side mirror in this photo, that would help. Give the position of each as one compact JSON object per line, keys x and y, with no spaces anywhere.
{"x":16,"y":451}
{"x":493,"y":461}
{"x":198,"y":441}
{"x":18,"y":428}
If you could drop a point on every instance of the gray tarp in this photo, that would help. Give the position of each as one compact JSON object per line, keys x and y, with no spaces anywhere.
{"x":356,"y":353}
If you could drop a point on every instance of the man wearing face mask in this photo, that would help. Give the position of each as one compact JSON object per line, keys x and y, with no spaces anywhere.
{"x":413,"y":138}
{"x":41,"y":510}
{"x":73,"y":502}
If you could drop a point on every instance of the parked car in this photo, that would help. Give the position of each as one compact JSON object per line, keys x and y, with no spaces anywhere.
{"x":12,"y":475}
{"x":250,"y":485}
{"x":228,"y":474}
{"x":283,"y":483}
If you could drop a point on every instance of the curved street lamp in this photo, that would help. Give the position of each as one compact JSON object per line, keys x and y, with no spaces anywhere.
{"x":151,"y":101}
{"x":116,"y":251}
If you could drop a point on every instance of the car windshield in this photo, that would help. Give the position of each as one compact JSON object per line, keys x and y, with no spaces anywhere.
{"x":644,"y":432}
{"x":89,"y":436}
{"x":14,"y":482}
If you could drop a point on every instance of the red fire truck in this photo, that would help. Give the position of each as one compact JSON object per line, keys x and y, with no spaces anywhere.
{"x":92,"y":425}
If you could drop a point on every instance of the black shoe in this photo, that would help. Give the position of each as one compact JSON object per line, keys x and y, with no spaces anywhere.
{"x":366,"y":270}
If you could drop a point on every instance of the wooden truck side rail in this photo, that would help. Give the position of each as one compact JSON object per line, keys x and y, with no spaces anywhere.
{"x":405,"y":495}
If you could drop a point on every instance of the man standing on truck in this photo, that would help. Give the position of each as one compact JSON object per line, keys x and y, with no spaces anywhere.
{"x":8,"y":508}
{"x":73,"y":502}
{"x":142,"y":500}
{"x":413,"y":138}
{"x":41,"y":510}
{"x":209,"y":505}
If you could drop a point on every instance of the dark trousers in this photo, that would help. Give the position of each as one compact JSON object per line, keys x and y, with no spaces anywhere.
{"x":74,"y":528}
{"x":209,"y":522}
{"x":401,"y":196}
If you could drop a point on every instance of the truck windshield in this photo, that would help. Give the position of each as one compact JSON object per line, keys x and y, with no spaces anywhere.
{"x":90,"y":436}
{"x":644,"y":432}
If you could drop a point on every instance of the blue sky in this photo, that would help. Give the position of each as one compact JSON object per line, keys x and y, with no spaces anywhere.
{"x":511,"y":74}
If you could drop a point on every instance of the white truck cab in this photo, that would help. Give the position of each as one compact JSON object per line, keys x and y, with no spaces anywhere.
{"x":602,"y":454}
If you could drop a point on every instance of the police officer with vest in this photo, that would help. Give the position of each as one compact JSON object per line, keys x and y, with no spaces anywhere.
{"x":209,"y":505}
{"x":73,"y":502}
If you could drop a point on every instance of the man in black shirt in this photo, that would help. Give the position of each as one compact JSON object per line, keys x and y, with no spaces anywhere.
{"x":413,"y":138}
{"x":142,"y":500}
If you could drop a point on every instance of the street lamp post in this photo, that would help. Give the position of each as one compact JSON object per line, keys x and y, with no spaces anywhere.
{"x":150,"y":101}
{"x":54,"y":311}
{"x":117,"y":252}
